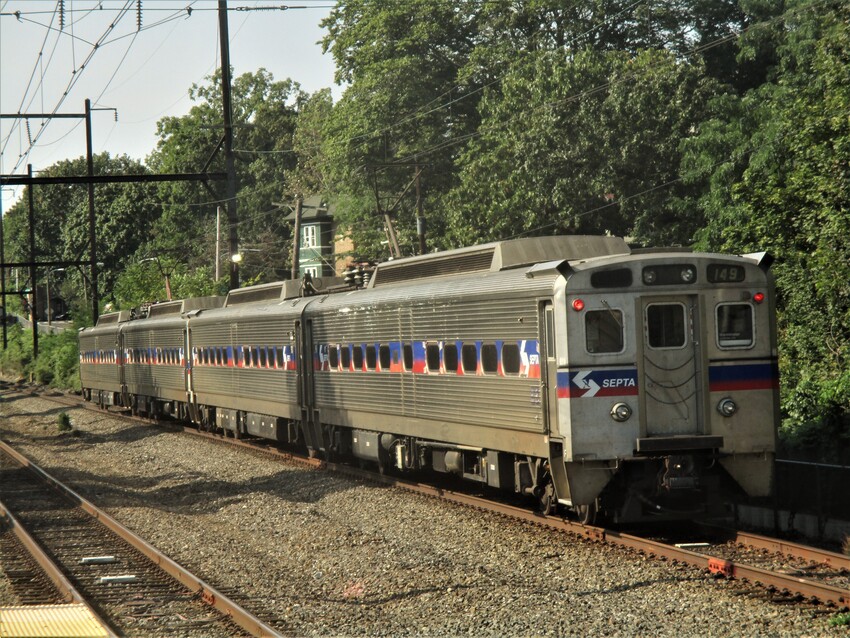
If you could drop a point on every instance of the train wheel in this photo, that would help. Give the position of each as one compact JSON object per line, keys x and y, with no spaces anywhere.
{"x":587,"y":513}
{"x":547,"y":502}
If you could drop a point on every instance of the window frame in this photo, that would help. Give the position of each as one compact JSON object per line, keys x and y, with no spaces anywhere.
{"x":606,"y":310}
{"x":752,"y":343}
{"x":308,"y":236}
{"x":686,"y":325}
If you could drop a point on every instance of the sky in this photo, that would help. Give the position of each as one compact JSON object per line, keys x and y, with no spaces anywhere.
{"x":48,"y":67}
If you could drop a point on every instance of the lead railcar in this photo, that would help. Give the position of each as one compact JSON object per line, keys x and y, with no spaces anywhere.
{"x":570,"y":368}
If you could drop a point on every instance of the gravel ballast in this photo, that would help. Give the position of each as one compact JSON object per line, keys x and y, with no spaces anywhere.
{"x":321,"y":555}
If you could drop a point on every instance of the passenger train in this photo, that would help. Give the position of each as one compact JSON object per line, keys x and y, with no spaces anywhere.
{"x":640,"y":384}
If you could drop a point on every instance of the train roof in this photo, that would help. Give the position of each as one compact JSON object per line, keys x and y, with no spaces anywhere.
{"x":497,"y":256}
{"x":279,"y":291}
{"x":179,"y":306}
{"x":114,"y":317}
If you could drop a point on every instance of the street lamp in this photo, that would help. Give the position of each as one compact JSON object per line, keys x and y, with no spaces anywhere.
{"x":236,"y":258}
{"x":162,"y":271}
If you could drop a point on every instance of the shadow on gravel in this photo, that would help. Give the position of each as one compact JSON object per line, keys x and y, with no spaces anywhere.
{"x":618,"y":589}
{"x":194,"y":493}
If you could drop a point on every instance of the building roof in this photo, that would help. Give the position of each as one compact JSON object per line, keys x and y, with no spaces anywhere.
{"x":313,"y":209}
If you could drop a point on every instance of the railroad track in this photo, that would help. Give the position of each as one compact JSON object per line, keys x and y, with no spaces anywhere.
{"x":787,"y":569}
{"x":90,"y":558}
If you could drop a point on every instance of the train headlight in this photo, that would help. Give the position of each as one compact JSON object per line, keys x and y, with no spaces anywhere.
{"x":688,"y":274}
{"x":621,"y":412}
{"x":727,"y":407}
{"x":649,"y":276}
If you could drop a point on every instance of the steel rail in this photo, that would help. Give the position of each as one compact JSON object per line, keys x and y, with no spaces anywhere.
{"x":65,"y":587}
{"x":209,"y":594}
{"x":807,"y":588}
{"x":787,"y":548}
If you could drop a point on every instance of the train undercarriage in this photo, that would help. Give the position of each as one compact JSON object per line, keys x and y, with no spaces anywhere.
{"x":661,"y":487}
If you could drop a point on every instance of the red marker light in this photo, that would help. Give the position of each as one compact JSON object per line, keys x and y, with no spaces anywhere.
{"x":578,"y":305}
{"x":758,"y":297}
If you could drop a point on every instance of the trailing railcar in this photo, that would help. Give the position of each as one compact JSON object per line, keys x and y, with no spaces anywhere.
{"x":154,"y":354}
{"x":639,"y":384}
{"x":101,"y":372}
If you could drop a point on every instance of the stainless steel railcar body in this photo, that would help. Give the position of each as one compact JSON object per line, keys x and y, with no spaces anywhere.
{"x":640,"y":384}
{"x":101,"y":372}
{"x":243,"y":372}
{"x":154,"y":356}
{"x":666,"y":368}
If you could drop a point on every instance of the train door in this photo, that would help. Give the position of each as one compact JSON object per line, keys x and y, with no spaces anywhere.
{"x":670,"y":358}
{"x":549,"y":369}
{"x":304,"y":357}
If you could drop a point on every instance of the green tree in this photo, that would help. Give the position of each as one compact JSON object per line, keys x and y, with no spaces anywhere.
{"x":775,"y":162}
{"x":583,"y":143}
{"x":401,"y":62}
{"x":264,"y":116}
{"x":124,"y":214}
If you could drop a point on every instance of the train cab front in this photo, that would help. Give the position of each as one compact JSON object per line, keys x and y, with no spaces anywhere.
{"x":668,"y":394}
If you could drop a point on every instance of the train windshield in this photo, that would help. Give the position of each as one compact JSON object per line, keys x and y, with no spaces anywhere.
{"x":604,"y":331}
{"x":665,"y":323}
{"x":735,"y":325}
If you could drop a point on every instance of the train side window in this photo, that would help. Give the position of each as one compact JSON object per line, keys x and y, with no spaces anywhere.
{"x":432,"y":357}
{"x":450,"y":357}
{"x":735,"y":325}
{"x":489,"y":358}
{"x":665,"y":325}
{"x":263,"y":356}
{"x":603,"y":331}
{"x":510,"y":359}
{"x":345,"y":357}
{"x":407,"y":352}
{"x":256,"y":356}
{"x":469,"y":358}
{"x":384,"y":357}
{"x":358,"y":357}
{"x":246,"y":356}
{"x":333,"y":357}
{"x":371,"y":357}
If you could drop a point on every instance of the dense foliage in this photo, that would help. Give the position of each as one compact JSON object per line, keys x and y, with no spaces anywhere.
{"x":720,"y":124}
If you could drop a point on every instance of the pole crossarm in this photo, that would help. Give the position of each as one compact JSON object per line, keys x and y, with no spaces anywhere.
{"x":23,"y":180}
{"x":40,"y":264}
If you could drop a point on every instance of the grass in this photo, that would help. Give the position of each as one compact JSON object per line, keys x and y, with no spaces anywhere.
{"x":63,"y":421}
{"x":840,"y":620}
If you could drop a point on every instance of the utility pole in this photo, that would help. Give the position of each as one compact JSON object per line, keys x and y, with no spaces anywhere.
{"x":33,"y":269}
{"x":420,"y":216}
{"x":296,"y":240}
{"x":229,"y":163}
{"x":217,"y":242}
{"x":3,"y":273}
{"x":95,"y":298}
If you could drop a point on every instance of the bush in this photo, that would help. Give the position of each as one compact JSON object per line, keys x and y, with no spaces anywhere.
{"x":58,"y":362}
{"x":63,"y":421}
{"x":16,"y":359}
